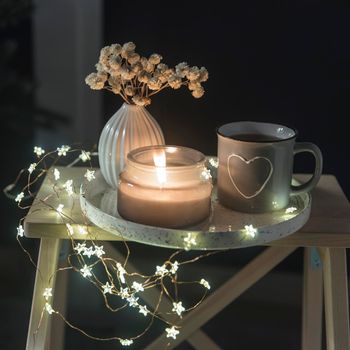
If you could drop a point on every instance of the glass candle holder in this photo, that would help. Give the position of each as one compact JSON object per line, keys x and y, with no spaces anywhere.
{"x":165,"y":186}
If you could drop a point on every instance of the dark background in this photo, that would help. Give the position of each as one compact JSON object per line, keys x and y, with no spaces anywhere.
{"x":284,"y":62}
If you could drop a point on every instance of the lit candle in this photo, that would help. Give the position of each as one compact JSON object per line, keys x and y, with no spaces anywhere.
{"x":166,"y":186}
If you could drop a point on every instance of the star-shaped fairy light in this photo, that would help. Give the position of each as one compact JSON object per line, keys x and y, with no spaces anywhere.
{"x":90,"y":175}
{"x":172,"y":332}
{"x":70,"y":229}
{"x":39,"y":151}
{"x":99,"y":252}
{"x":178,"y":308}
{"x":60,"y":208}
{"x":133,"y":301}
{"x":143,"y":310}
{"x":205,"y":283}
{"x":68,"y":186}
{"x":19,"y":197}
{"x":291,"y":210}
{"x":126,"y":342}
{"x":174,"y":267}
{"x":124,"y":293}
{"x":89,"y":252}
{"x":85,"y":156}
{"x":31,"y":168}
{"x":62,"y":151}
{"x":107,"y":288}
{"x":86,"y":271}
{"x":206,"y":175}
{"x":56,"y":174}
{"x":138,"y":287}
{"x":161,"y":270}
{"x":20,"y":231}
{"x":49,"y":308}
{"x":189,"y":241}
{"x":250,"y":230}
{"x":214,"y":162}
{"x":121,"y":272}
{"x":47,"y":293}
{"x":80,"y":247}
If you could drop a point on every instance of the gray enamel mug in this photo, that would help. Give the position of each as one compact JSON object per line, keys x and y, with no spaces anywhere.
{"x":256,"y":166}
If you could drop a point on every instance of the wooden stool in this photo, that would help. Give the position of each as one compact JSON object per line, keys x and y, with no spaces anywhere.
{"x":325,"y":238}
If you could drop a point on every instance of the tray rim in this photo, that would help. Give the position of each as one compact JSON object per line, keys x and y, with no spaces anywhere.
{"x":176,"y":238}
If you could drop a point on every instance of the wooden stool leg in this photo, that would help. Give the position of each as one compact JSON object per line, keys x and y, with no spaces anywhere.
{"x":224,"y":295}
{"x":312,"y":300}
{"x":336,"y":298}
{"x":47,"y":265}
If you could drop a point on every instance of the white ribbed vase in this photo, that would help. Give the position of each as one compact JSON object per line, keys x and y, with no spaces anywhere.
{"x":129,"y":128}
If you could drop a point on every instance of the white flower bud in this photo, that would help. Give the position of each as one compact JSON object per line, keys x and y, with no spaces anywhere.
{"x":155,"y":58}
{"x":198,"y":93}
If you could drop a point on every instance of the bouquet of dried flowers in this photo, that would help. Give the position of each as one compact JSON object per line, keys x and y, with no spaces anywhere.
{"x":124,"y":72}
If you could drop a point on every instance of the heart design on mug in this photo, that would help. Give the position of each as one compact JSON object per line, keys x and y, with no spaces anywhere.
{"x":249,"y":162}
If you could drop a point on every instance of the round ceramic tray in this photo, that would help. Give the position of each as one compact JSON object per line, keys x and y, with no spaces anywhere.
{"x":224,"y":229}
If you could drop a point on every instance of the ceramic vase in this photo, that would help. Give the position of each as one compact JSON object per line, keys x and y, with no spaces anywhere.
{"x":129,"y":128}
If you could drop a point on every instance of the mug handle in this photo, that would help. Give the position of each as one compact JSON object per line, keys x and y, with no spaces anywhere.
{"x":316,"y":152}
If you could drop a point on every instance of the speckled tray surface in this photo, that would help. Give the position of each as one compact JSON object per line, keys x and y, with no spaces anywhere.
{"x":224,"y":229}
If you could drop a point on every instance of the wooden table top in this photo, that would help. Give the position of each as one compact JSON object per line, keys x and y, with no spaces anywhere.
{"x":328,"y":226}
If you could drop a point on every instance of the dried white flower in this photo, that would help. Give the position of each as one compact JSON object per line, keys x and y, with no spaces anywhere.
{"x":38,"y":151}
{"x":154,"y":84}
{"x":115,"y":62}
{"x":175,"y":81}
{"x":198,"y":93}
{"x":155,"y":58}
{"x":203,"y":75}
{"x":194,"y":85}
{"x":133,"y":58}
{"x":161,"y":67}
{"x":95,"y":81}
{"x":182,"y":69}
{"x":126,"y":73}
{"x":20,"y":231}
{"x":115,"y":49}
{"x":172,"y":332}
{"x":144,"y":77}
{"x":149,"y":67}
{"x":141,"y":101}
{"x":193,"y":73}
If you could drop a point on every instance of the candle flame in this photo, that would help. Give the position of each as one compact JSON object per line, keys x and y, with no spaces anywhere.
{"x":160,"y":163}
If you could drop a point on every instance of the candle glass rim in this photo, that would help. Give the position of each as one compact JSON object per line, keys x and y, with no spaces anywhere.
{"x":196,"y":162}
